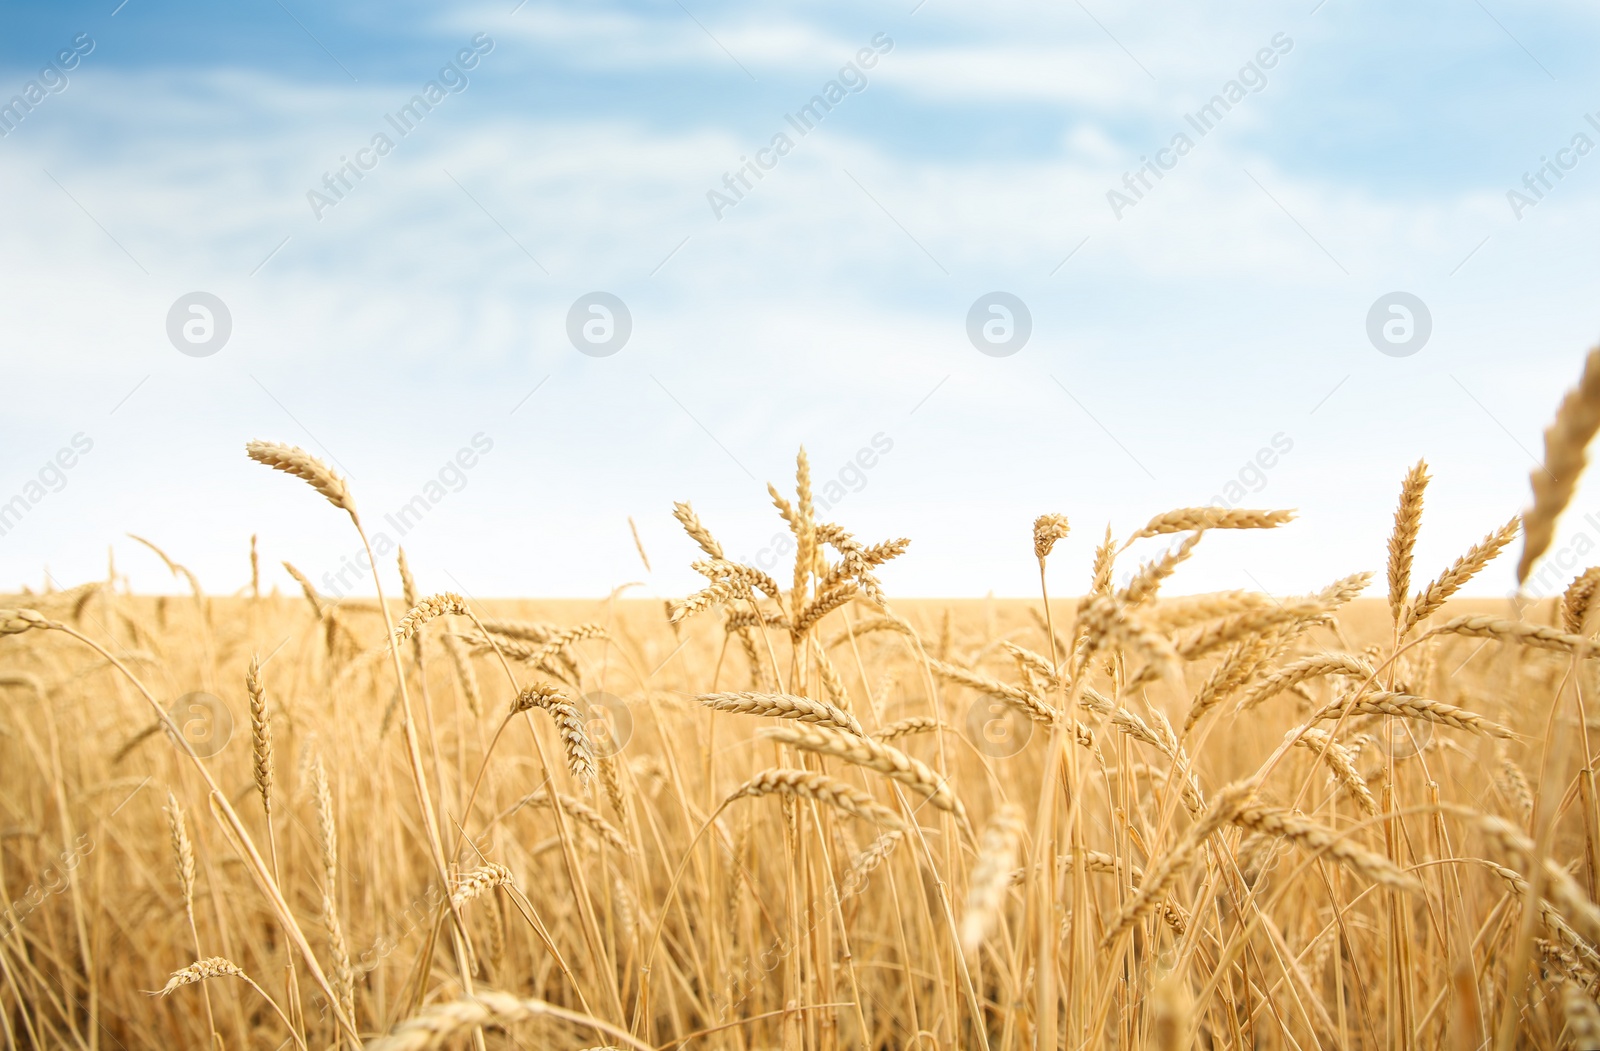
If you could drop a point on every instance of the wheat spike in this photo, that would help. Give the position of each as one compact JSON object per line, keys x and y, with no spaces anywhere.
{"x":720,"y":568}
{"x":431,"y":608}
{"x":182,"y":852}
{"x":783,"y":706}
{"x":806,"y":784}
{"x":997,"y":855}
{"x":1304,"y":670}
{"x":1406,"y":706}
{"x":436,"y":1025}
{"x":1047,"y":529}
{"x":823,"y":605}
{"x":473,"y":884}
{"x":318,"y":609}
{"x":17,"y":621}
{"x":874,"y":755}
{"x":1241,"y":664}
{"x":1015,"y":696}
{"x":1171,"y":866}
{"x":296,"y":461}
{"x":1565,"y":442}
{"x":586,"y":815}
{"x":863,"y":864}
{"x":1185,"y":519}
{"x":343,"y":974}
{"x":1403,"y":540}
{"x":1578,"y":599}
{"x":916,"y":724}
{"x":1431,"y":598}
{"x":1143,"y":587}
{"x":1341,"y":762}
{"x":201,"y":970}
{"x":696,"y":529}
{"x":260,"y":732}
{"x":1308,"y":835}
{"x":1536,"y":635}
{"x":574,"y":738}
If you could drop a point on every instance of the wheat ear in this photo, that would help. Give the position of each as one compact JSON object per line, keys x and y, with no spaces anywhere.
{"x":997,"y":856}
{"x":783,"y":706}
{"x":1536,"y":635}
{"x":1185,"y":519}
{"x":431,"y":608}
{"x":296,"y":461}
{"x":260,"y":732}
{"x":343,"y":974}
{"x":435,"y":1026}
{"x":1564,"y":459}
{"x":807,"y":784}
{"x":916,"y":724}
{"x":473,"y":884}
{"x":585,"y":814}
{"x":696,"y":529}
{"x":200,"y":971}
{"x":574,"y":738}
{"x":1171,"y":866}
{"x":1390,"y":702}
{"x":1341,"y":762}
{"x":1308,"y":835}
{"x":873,"y":755}
{"x":1403,"y":540}
{"x":1303,"y":670}
{"x":1431,"y":598}
{"x":1047,"y":529}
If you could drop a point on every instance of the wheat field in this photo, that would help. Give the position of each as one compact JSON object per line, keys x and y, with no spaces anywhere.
{"x":800,"y":813}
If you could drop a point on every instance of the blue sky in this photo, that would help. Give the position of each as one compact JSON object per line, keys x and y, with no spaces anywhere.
{"x":1223,"y":312}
